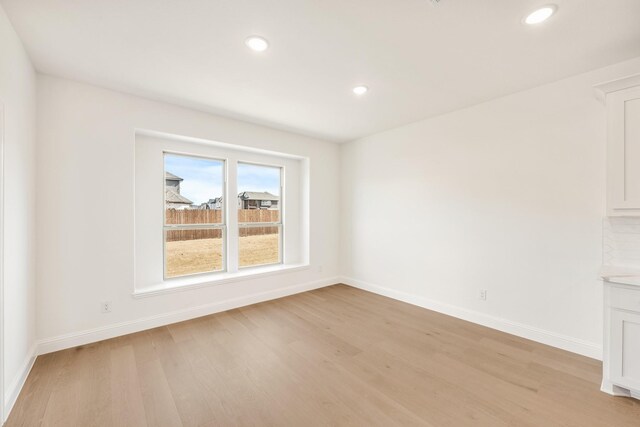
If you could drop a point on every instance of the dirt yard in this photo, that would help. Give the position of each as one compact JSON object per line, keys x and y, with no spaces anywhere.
{"x":205,"y":255}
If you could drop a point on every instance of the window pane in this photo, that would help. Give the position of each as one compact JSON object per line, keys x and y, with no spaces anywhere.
{"x":193,"y":251}
{"x":259,"y":246}
{"x":259,"y":193}
{"x":193,"y":190}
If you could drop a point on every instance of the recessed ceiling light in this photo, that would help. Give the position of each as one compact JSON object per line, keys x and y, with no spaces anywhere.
{"x":257,"y":43}
{"x":541,"y":14}
{"x":360,"y":90}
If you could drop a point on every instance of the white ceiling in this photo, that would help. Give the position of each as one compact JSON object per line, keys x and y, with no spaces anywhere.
{"x":419,"y":60}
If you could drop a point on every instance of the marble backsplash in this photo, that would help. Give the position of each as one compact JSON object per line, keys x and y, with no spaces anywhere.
{"x":621,"y":242}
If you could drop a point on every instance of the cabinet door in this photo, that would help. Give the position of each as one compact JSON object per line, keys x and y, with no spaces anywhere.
{"x":623,"y":159}
{"x":625,"y":349}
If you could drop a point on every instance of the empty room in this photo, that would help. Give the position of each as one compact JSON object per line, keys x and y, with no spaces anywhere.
{"x":319,"y":213}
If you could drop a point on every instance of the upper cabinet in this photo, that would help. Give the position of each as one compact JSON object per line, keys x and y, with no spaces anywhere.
{"x":622,"y":99}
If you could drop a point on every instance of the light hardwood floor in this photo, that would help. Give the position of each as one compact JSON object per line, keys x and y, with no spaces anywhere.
{"x":334,"y":356}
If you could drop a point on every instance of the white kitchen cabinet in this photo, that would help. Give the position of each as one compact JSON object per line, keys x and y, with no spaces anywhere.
{"x":622,"y":99}
{"x":621,"y":358}
{"x":625,"y":335}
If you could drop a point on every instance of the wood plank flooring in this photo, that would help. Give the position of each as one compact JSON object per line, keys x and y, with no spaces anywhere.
{"x":334,"y":356}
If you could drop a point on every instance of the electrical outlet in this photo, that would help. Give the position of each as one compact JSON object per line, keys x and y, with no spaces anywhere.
{"x":320,"y":268}
{"x":483,"y":294}
{"x":105,"y":307}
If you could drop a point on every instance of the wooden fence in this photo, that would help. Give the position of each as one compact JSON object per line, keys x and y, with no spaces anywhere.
{"x":211,"y":216}
{"x":193,"y":216}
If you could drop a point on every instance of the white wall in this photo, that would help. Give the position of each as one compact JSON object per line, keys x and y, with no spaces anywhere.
{"x":86,"y":204}
{"x":17,"y":99}
{"x":507,"y":196}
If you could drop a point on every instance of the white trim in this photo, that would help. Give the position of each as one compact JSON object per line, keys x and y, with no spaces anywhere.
{"x":614,"y":390}
{"x":553,"y":339}
{"x":14,"y":389}
{"x":3,"y":413}
{"x":602,"y":89}
{"x":110,"y":331}
{"x":196,"y":281}
{"x":212,"y":143}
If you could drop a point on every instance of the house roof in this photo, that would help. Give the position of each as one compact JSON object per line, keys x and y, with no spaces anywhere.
{"x":171,"y":196}
{"x":172,"y":177}
{"x":257,"y":195}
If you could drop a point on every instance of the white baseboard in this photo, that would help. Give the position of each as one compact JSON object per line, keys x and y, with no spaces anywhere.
{"x":553,"y":339}
{"x":13,"y":390}
{"x":110,"y":331}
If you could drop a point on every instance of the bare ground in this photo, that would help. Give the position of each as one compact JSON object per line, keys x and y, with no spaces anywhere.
{"x":205,"y":255}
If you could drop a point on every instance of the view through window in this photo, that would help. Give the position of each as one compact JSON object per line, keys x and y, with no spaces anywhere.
{"x":259,"y":215}
{"x":194,"y":215}
{"x":194,"y":228}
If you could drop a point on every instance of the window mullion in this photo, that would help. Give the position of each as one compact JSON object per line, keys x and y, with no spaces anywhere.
{"x":232,"y":215}
{"x":193,"y":226}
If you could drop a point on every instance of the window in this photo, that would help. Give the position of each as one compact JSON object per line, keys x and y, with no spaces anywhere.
{"x":259,"y":215}
{"x":209,"y":213}
{"x":194,"y":220}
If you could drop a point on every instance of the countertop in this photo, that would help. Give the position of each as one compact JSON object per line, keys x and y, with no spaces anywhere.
{"x":622,"y":275}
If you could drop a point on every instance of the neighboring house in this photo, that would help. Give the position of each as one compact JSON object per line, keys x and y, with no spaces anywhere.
{"x":257,"y":200}
{"x":215,"y":204}
{"x":172,"y":197}
{"x":172,"y":181}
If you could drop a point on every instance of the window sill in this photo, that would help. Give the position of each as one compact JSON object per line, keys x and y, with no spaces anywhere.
{"x":201,"y":281}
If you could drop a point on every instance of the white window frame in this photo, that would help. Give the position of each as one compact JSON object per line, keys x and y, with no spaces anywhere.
{"x":148,"y":243}
{"x":173,"y":227}
{"x":279,"y":224}
{"x":2,"y":386}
